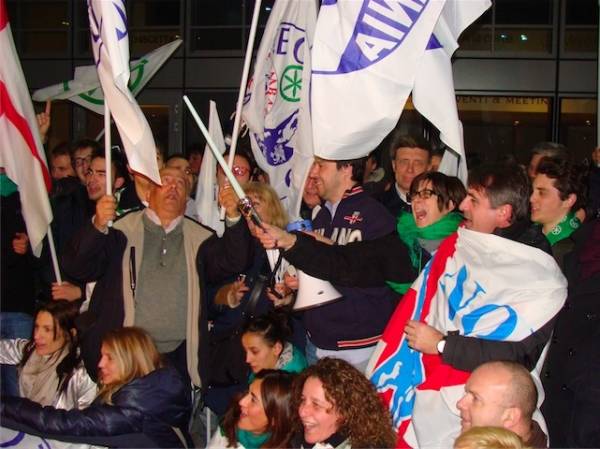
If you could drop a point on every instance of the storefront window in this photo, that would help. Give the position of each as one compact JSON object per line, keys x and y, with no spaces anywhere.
{"x":578,"y":125}
{"x":497,"y":127}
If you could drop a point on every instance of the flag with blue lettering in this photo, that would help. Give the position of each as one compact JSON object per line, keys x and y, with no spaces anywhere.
{"x":364,"y":62}
{"x":276,"y":102}
{"x":207,"y":206}
{"x":433,"y":92}
{"x":480,"y":285}
{"x":108,"y":26}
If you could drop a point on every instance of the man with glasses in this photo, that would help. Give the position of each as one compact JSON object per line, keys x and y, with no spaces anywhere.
{"x":410,"y":157}
{"x":81,"y":157}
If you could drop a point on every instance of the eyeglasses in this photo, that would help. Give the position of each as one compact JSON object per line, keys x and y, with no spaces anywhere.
{"x":424,"y":194}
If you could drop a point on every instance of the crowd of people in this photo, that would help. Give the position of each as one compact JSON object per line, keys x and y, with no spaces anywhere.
{"x":168,"y":331}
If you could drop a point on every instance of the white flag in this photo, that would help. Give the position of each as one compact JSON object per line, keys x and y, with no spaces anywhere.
{"x":84,"y":89}
{"x":206,"y":189}
{"x":433,"y":92}
{"x":21,"y":149}
{"x":365,"y":59}
{"x":276,"y":98}
{"x":108,"y":25}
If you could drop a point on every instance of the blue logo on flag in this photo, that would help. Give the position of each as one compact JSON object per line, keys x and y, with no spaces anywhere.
{"x":380,"y":28}
{"x":275,"y":146}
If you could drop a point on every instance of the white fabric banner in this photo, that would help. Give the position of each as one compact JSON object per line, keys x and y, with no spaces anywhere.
{"x":481,"y":285}
{"x":364,"y":62}
{"x":277,"y":97}
{"x":84,"y":89}
{"x":207,"y":205}
{"x":433,"y":92}
{"x":108,"y":26}
{"x":21,"y":150}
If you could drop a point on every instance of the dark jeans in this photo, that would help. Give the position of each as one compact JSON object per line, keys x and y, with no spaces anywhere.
{"x":13,"y":325}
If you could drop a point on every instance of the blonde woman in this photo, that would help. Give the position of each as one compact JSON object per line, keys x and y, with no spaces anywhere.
{"x":489,"y":438}
{"x":140,"y":404}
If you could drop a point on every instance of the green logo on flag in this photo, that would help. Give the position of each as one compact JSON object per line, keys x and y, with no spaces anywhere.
{"x":290,"y":85}
{"x":138,"y":69}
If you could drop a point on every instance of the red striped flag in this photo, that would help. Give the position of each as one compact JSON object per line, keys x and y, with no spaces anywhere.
{"x":480,"y":285}
{"x":21,"y":149}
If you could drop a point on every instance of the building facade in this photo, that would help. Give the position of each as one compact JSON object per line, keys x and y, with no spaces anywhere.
{"x":526,"y":71}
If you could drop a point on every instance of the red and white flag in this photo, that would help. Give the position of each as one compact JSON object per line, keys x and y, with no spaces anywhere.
{"x":480,"y":285}
{"x":21,"y":149}
{"x":108,"y":25}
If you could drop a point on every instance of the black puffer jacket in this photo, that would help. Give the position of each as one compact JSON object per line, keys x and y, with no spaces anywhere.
{"x":143,"y":415}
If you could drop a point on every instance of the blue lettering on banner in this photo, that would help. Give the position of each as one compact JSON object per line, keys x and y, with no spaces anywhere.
{"x":283,"y":38}
{"x":433,"y":43}
{"x":381,"y":27}
{"x":96,"y":27}
{"x":387,"y":377}
{"x":121,"y":34}
{"x":457,"y":302}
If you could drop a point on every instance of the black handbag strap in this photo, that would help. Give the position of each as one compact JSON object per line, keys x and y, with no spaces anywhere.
{"x":255,"y":293}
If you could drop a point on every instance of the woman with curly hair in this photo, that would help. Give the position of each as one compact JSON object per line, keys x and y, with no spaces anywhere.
{"x":339,"y":408}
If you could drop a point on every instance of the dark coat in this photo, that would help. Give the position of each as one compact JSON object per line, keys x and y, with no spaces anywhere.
{"x":94,"y":256}
{"x":570,"y":375}
{"x":393,"y":203}
{"x":143,"y":415}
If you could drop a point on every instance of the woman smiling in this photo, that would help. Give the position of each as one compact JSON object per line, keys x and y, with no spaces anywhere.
{"x":262,"y":418}
{"x":339,"y":409}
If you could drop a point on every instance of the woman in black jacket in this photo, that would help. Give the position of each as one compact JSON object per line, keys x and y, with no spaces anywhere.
{"x":141,"y":403}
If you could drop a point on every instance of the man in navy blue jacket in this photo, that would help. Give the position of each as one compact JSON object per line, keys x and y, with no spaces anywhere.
{"x":348,"y":328}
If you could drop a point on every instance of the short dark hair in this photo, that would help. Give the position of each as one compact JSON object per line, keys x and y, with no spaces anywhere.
{"x":567,"y":178}
{"x":504,"y":184}
{"x":117,"y":161}
{"x":447,"y":188}
{"x":62,"y":149}
{"x":358,"y":168}
{"x":399,"y":140}
{"x":551,"y":149}
{"x":84,"y":143}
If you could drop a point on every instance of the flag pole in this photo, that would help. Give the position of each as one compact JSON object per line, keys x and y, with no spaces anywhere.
{"x":244,"y":81}
{"x":245,"y":205}
{"x":213,"y":148}
{"x":107,"y":152}
{"x":53,"y":256}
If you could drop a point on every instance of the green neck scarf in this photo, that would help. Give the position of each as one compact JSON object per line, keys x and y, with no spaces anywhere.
{"x":410,"y":234}
{"x":7,"y":187}
{"x":569,"y":224}
{"x":250,"y":440}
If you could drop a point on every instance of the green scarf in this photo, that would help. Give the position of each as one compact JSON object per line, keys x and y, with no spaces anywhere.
{"x":563,"y":229}
{"x":7,"y":187}
{"x":410,"y":234}
{"x":250,"y":440}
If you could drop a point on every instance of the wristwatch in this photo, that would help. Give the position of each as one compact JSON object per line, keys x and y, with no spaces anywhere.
{"x":441,"y":345}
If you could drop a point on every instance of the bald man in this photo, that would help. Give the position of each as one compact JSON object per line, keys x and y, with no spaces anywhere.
{"x":502,"y":394}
